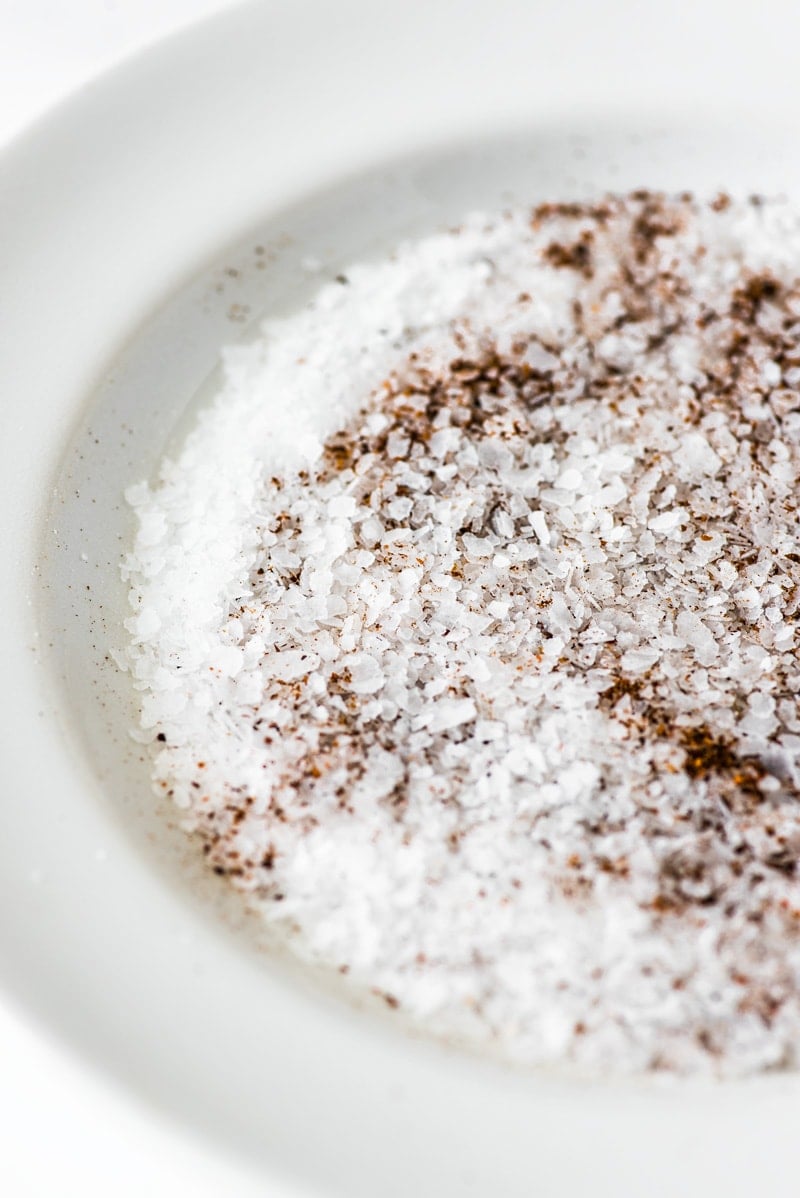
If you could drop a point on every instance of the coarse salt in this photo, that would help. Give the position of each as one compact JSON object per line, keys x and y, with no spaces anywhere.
{"x":465,"y":629}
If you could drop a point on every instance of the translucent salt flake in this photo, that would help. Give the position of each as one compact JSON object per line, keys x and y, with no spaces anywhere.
{"x":636,"y":661}
{"x":227,"y":659}
{"x":478,"y":546}
{"x":570,"y":479}
{"x":341,"y":506}
{"x":289,"y":664}
{"x":152,"y":527}
{"x":696,"y":457}
{"x":750,"y":602}
{"x":689,"y":626}
{"x":119,"y":659}
{"x":559,"y":613}
{"x":665,"y":521}
{"x":539,"y":525}
{"x":761,"y":704}
{"x":366,"y":675}
{"x":145,"y":625}
{"x":447,"y":713}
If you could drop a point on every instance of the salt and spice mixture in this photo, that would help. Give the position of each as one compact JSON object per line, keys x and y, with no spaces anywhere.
{"x":465,"y":627}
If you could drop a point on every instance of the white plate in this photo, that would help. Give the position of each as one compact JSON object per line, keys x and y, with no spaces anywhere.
{"x":129,"y":222}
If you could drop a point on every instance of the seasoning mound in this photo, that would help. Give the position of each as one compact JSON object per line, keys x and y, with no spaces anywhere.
{"x":465,"y":626}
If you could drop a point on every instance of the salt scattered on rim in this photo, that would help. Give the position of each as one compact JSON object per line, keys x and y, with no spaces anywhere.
{"x":465,"y":631}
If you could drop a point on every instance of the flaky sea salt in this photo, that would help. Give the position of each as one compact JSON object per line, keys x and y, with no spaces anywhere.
{"x":465,"y":631}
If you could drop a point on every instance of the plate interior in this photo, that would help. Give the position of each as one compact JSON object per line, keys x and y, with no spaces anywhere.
{"x":154,"y":385}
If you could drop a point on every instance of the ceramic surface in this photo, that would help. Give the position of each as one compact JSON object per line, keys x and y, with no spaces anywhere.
{"x":130,"y":226}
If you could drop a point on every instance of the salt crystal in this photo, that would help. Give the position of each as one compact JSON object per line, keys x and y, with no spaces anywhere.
{"x":447,"y":714}
{"x":665,"y":522}
{"x":538,"y":523}
{"x":636,"y":661}
{"x":569,"y":480}
{"x":341,"y":506}
{"x":696,"y":457}
{"x":366,"y":675}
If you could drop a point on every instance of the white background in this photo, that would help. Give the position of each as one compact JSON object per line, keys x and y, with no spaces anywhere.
{"x":63,"y":1130}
